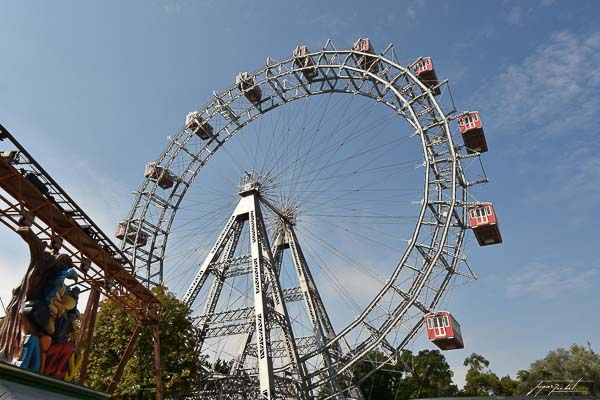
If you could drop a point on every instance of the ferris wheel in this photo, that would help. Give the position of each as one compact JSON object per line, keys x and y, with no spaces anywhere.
{"x":325,"y":214}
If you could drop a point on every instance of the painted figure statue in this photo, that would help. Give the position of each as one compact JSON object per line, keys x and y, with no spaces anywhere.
{"x":41,"y":313}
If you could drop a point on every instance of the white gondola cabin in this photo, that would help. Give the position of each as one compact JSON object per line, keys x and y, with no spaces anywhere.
{"x":197,"y":125}
{"x":303,"y":60}
{"x":131,"y":235}
{"x":484,"y":222}
{"x":368,"y":63}
{"x":426,"y":73}
{"x":444,"y":331}
{"x":471,"y":129}
{"x":247,"y":85}
{"x":159,"y":174}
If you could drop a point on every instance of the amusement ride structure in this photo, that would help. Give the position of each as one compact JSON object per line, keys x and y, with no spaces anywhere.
{"x":314,"y":193}
{"x":338,"y":244}
{"x":34,"y":205}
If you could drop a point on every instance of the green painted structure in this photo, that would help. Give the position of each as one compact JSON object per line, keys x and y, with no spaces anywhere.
{"x":20,"y":384}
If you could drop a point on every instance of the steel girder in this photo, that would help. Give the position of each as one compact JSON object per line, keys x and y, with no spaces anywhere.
{"x":269,"y":309}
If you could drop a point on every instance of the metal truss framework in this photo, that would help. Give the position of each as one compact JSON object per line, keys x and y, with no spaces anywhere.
{"x":270,"y":302}
{"x":269,"y":310}
{"x":31,"y":200}
{"x":443,"y":206}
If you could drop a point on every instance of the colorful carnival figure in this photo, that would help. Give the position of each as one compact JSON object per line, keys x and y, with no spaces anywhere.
{"x":61,"y":356}
{"x":40,"y":315}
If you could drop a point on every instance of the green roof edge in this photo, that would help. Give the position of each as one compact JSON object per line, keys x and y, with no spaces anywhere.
{"x":18,"y":375}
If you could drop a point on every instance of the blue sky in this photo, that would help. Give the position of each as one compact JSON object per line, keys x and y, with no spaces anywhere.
{"x":93,"y":90}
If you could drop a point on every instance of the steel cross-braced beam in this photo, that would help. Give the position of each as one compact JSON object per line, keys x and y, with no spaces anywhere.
{"x":268,"y":310}
{"x":319,"y":320}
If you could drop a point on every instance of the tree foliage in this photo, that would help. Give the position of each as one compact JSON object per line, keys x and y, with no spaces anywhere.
{"x":578,"y":362}
{"x":480,"y":380}
{"x":426,"y":374}
{"x":178,"y":346}
{"x":379,"y":385}
{"x":508,"y":386}
{"x":422,"y":375}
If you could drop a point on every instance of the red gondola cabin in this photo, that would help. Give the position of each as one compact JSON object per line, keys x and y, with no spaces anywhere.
{"x":197,"y":125}
{"x":130,"y":235}
{"x":247,"y":85}
{"x":471,"y":130}
{"x":426,"y":73}
{"x":484,"y":223}
{"x":159,"y":174}
{"x":444,"y":331}
{"x":367,"y":63}
{"x":303,"y":60}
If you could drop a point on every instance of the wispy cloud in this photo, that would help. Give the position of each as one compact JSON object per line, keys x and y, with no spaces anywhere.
{"x":103,"y":197}
{"x":555,"y":88}
{"x":417,"y":6}
{"x":551,"y":101}
{"x":515,"y":15}
{"x":547,"y":282}
{"x":334,"y":25}
{"x":177,"y":7}
{"x":363,"y":287}
{"x":578,"y":173}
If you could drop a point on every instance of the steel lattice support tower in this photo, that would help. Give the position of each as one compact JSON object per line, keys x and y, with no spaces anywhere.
{"x":285,"y":238}
{"x":269,"y":309}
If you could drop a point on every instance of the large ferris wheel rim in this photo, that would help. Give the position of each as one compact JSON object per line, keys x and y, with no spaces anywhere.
{"x":179,"y":144}
{"x":330,"y":60}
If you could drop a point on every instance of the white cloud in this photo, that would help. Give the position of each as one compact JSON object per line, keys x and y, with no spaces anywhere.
{"x":570,"y":182}
{"x":411,"y":12}
{"x":547,"y":282}
{"x":551,"y":100}
{"x":555,"y":88}
{"x":105,"y":199}
{"x":363,"y":287}
{"x":578,"y":174}
{"x":515,"y":15}
{"x":177,"y":7}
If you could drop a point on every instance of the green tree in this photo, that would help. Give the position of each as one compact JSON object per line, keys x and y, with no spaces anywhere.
{"x":380,"y":384}
{"x":508,"y":386}
{"x":578,"y":362}
{"x":480,"y":380}
{"x":426,"y":374}
{"x":180,"y":359}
